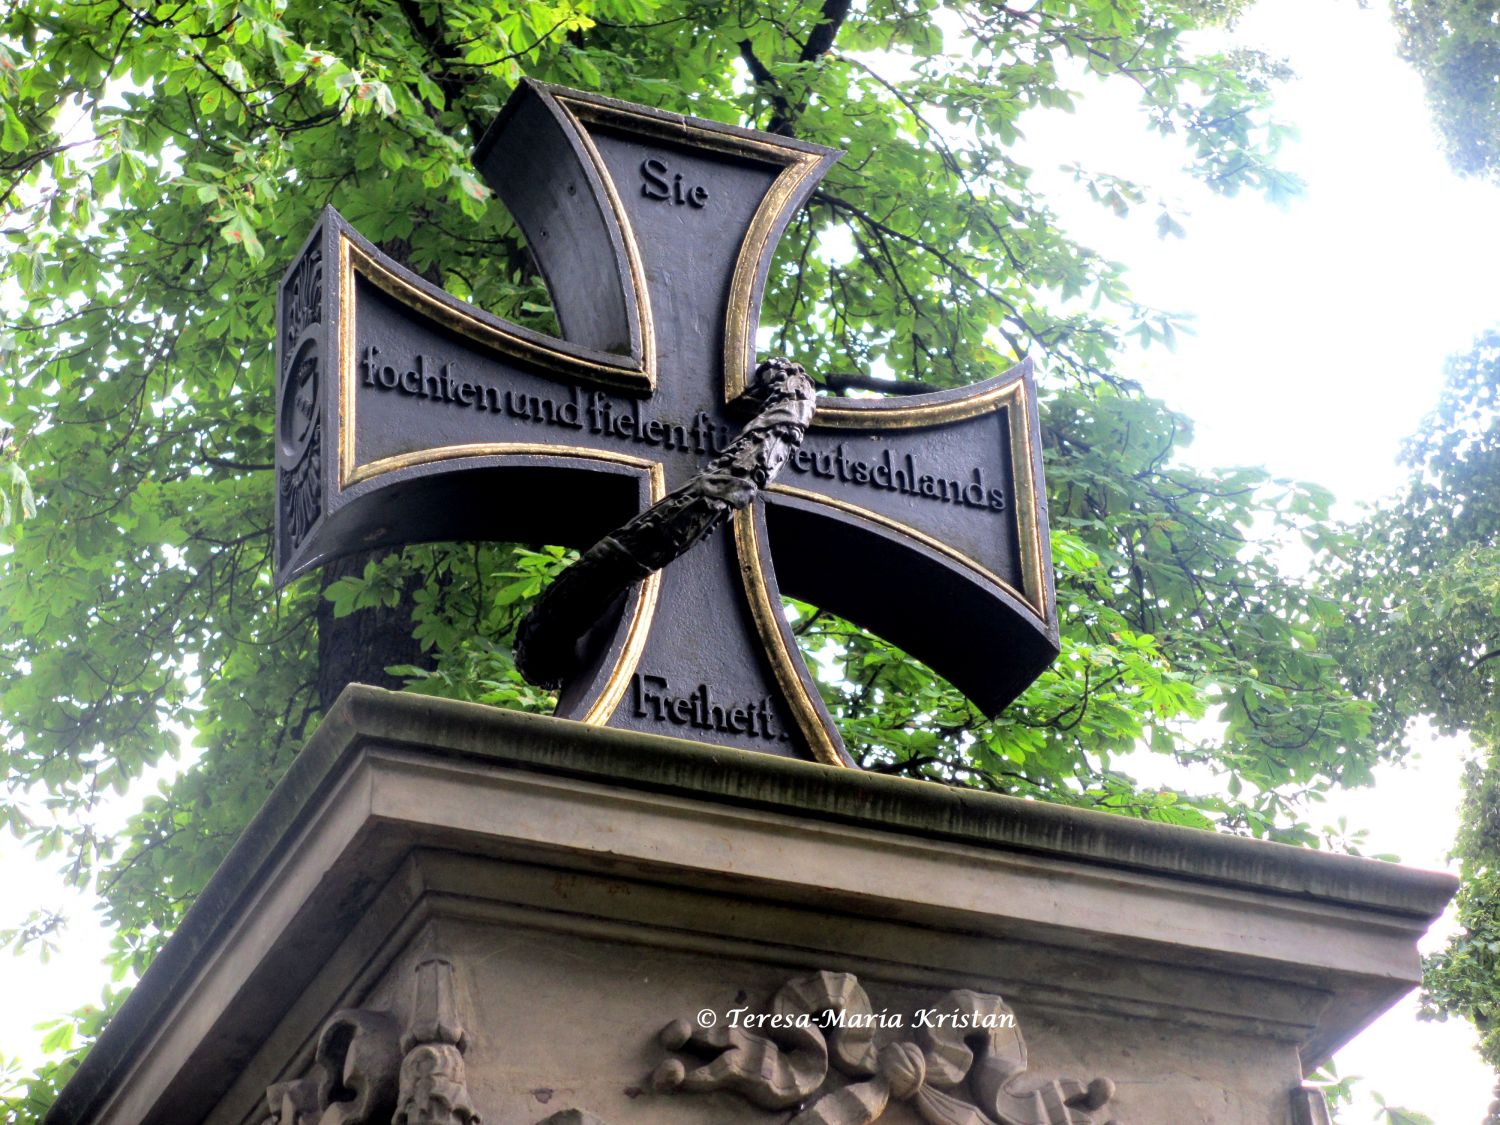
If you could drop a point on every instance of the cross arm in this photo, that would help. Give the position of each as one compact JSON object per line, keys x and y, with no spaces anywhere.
{"x":548,"y":172}
{"x":408,"y":415}
{"x":923,"y":521}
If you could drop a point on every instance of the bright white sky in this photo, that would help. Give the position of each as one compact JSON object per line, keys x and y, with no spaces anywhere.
{"x":1321,"y":333}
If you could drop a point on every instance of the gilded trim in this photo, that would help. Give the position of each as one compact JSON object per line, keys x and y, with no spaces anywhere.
{"x":739,"y":344}
{"x":510,"y":448}
{"x":770,"y":624}
{"x":796,"y":163}
{"x":642,"y":615}
{"x":627,"y":234}
{"x":909,"y":532}
{"x":644,"y":610}
{"x":1035,"y":556}
{"x":454,"y":314}
{"x":674,"y":127}
{"x":1012,"y":393}
{"x":344,"y":362}
{"x":917,"y":415}
{"x":353,"y":260}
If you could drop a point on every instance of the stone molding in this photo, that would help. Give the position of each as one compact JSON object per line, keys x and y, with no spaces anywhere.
{"x":1328,"y":940}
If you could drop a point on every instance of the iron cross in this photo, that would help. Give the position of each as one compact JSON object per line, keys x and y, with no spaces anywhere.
{"x":405,"y":415}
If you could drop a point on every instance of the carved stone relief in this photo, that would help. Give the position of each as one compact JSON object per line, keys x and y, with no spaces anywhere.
{"x":355,"y":1063}
{"x":815,"y":1051}
{"x":366,"y":1072}
{"x":433,"y":1089}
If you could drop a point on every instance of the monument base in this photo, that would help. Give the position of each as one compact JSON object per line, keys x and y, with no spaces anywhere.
{"x":446,"y":910}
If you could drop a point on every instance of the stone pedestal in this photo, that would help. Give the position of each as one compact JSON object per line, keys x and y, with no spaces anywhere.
{"x":446,"y":910}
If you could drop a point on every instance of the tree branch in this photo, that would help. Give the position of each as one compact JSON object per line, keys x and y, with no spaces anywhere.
{"x":781,"y":118}
{"x":839,"y":384}
{"x":819,"y":43}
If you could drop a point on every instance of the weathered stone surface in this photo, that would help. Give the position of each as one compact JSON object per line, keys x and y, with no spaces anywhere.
{"x":960,"y":1062}
{"x":590,"y":886}
{"x":1309,"y":1108}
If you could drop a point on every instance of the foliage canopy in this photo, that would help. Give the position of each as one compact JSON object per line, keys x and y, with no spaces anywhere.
{"x":160,"y":163}
{"x":1424,"y":641}
{"x":1425,"y":632}
{"x":1455,"y":46}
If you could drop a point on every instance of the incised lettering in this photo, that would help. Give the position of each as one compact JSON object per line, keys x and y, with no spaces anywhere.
{"x":654,"y":185}
{"x":698,"y":709}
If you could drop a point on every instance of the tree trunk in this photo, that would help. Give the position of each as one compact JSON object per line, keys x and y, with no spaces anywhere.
{"x":360,"y":647}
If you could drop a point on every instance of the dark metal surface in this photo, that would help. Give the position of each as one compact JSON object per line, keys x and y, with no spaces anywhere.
{"x":405,"y":415}
{"x":552,"y":643}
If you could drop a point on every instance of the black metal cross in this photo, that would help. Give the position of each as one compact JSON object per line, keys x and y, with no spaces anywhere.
{"x":405,"y":415}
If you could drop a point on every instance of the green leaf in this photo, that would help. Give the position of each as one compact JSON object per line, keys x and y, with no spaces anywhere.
{"x":13,"y":135}
{"x":239,"y":232}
